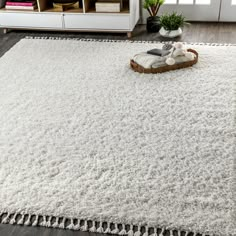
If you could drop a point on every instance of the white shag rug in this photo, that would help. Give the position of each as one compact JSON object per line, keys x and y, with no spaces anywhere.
{"x":88,"y":144}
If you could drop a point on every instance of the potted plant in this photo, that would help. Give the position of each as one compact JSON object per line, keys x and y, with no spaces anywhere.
{"x":171,"y":25}
{"x":153,"y":21}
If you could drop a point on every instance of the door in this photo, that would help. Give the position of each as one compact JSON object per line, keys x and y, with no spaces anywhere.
{"x":228,"y":10}
{"x":194,"y":10}
{"x":200,"y":10}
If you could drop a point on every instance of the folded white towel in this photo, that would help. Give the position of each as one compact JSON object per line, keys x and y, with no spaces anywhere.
{"x":147,"y":60}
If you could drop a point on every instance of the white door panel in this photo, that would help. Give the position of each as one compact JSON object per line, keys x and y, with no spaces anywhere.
{"x":193,"y":10}
{"x":228,"y":10}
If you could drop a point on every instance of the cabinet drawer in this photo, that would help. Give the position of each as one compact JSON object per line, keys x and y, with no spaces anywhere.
{"x":31,"y":20}
{"x":99,"y":21}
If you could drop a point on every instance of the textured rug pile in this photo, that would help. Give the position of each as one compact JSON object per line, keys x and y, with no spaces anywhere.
{"x":88,"y":144}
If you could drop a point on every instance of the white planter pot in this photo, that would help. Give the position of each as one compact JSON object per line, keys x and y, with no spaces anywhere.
{"x":170,"y":34}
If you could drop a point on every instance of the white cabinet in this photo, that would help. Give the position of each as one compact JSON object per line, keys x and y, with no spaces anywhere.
{"x":81,"y":19}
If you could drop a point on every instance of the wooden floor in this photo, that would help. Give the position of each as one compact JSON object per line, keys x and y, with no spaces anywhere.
{"x":196,"y":32}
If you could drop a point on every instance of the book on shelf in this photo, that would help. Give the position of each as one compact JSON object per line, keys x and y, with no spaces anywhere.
{"x":108,"y":6}
{"x":21,"y":3}
{"x":112,"y":1}
{"x":30,"y":8}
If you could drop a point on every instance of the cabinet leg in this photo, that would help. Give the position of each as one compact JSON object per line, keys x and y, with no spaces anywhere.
{"x":129,"y":35}
{"x":5,"y":30}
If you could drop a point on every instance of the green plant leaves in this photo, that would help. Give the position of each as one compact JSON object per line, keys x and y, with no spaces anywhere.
{"x":153,"y":6}
{"x":172,"y":21}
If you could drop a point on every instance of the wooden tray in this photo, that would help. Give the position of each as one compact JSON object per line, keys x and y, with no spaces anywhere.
{"x":136,"y":67}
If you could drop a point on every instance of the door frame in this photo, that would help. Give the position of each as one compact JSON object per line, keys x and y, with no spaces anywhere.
{"x":227,"y":11}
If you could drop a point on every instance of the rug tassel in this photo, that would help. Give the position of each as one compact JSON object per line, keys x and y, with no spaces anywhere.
{"x":108,"y":229}
{"x":100,"y":228}
{"x":116,"y":230}
{"x":85,"y":226}
{"x":93,"y":228}
{"x":71,"y":225}
{"x":162,"y":232}
{"x":131,"y":231}
{"x":44,"y":222}
{"x":6,"y":219}
{"x":21,"y":221}
{"x":146,"y":231}
{"x":56,"y":223}
{"x":155,"y":232}
{"x":13,"y":220}
{"x":28,"y":221}
{"x":138,"y":232}
{"x":35,"y":223}
{"x":77,"y":226}
{"x":62,"y":224}
{"x":123,"y":231}
{"x":48,"y":224}
{"x":127,"y":41}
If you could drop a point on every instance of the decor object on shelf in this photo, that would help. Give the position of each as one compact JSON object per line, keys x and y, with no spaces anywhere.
{"x":64,"y":1}
{"x":97,"y":143}
{"x":171,"y":25}
{"x":153,"y":21}
{"x":65,"y":6}
{"x":109,"y":6}
{"x":114,"y":6}
{"x":21,"y":5}
{"x":25,"y":8}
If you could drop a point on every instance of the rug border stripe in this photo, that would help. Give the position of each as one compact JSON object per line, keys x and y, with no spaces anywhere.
{"x":126,"y":41}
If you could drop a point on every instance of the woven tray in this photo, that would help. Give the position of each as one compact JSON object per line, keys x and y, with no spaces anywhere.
{"x":136,"y":67}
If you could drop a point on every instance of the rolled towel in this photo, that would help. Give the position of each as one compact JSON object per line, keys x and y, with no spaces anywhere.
{"x":159,"y":64}
{"x":147,"y":60}
{"x":182,"y":59}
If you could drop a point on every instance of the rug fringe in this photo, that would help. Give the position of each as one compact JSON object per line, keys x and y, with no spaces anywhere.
{"x":95,"y":226}
{"x":126,"y":41}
